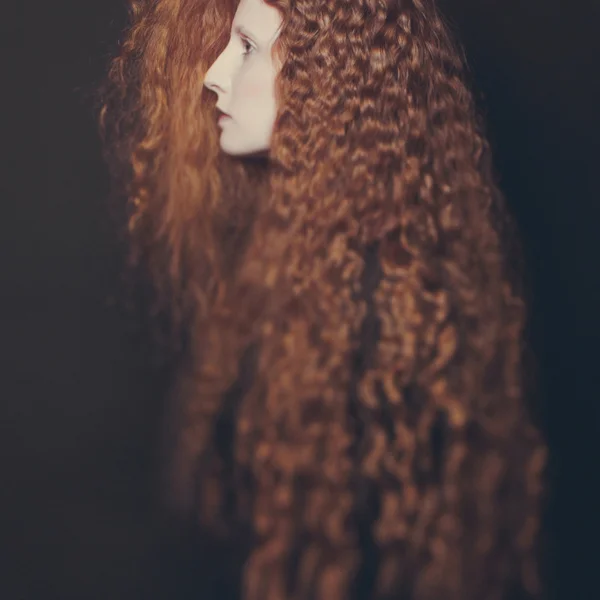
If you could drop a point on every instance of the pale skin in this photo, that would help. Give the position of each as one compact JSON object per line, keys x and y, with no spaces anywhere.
{"x":243,"y":77}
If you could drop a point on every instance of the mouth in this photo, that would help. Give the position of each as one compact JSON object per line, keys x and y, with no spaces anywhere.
{"x":222,"y":115}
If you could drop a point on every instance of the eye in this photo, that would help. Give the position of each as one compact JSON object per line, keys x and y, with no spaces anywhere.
{"x":248,"y":47}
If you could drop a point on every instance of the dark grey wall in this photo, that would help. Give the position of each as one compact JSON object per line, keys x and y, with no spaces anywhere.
{"x":80,"y":404}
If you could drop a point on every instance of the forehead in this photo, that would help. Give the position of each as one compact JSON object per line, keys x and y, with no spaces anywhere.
{"x":258,"y":18}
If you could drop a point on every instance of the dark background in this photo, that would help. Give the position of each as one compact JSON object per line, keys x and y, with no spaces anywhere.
{"x":81,"y":401}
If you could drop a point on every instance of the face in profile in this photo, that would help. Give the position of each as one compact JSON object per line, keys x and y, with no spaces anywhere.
{"x":243,"y":77}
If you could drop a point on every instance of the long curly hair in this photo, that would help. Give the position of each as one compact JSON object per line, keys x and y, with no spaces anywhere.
{"x":354,"y":395}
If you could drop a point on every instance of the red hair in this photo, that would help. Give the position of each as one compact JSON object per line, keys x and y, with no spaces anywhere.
{"x":353,"y":323}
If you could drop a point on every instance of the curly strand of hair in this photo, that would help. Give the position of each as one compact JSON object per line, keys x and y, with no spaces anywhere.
{"x":276,"y":462}
{"x":408,"y":250}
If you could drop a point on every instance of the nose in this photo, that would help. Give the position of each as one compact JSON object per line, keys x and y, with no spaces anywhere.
{"x":211,"y":83}
{"x":217,"y":79}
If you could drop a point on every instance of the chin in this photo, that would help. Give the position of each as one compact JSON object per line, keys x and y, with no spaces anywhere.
{"x":233,"y":149}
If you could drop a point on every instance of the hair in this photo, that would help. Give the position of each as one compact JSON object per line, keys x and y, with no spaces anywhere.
{"x":355,"y":396}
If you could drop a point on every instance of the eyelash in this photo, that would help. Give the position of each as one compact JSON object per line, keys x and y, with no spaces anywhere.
{"x":248,"y":47}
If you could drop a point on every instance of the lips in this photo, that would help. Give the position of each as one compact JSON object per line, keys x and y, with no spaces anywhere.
{"x":221,"y":113}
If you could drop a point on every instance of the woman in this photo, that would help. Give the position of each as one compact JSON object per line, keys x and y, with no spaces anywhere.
{"x":309,"y":188}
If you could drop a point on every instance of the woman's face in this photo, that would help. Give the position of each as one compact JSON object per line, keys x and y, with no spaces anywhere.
{"x":243,"y":77}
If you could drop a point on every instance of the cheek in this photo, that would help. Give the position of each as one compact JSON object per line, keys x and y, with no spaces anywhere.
{"x":256,"y":85}
{"x":253,"y":89}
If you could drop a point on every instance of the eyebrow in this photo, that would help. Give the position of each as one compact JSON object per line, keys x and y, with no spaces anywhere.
{"x":243,"y":32}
